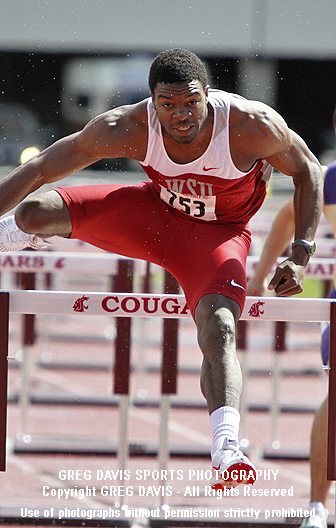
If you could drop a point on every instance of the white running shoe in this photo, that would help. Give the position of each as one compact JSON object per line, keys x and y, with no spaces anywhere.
{"x":13,"y":239}
{"x":231,"y":467}
{"x":318,"y":516}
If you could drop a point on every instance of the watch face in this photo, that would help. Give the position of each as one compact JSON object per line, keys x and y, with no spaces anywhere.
{"x":310,"y":246}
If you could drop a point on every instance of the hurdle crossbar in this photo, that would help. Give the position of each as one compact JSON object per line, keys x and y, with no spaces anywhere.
{"x":159,"y":305}
{"x":166,"y":306}
{"x":107,"y":263}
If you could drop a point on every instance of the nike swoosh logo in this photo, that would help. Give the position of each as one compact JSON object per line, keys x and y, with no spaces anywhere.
{"x":237,"y":285}
{"x":206,"y":169}
{"x":216,"y":468}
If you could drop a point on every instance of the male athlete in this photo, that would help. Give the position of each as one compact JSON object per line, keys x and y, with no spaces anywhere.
{"x":209,"y":155}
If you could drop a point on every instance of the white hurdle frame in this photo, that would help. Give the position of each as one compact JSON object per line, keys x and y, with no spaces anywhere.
{"x":53,"y":262}
{"x":136,"y":305}
{"x":150,"y":305}
{"x":161,"y":305}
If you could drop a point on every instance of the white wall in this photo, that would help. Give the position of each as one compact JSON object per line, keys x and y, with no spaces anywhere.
{"x":286,"y":28}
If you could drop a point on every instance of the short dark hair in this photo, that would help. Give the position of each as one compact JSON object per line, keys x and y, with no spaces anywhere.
{"x":177,"y":66}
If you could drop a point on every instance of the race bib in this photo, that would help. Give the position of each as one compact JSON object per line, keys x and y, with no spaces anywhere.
{"x":202,"y":207}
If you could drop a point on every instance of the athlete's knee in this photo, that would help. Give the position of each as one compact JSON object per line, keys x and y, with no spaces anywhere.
{"x":26,"y":216}
{"x":216,"y":325}
{"x":35,"y":213}
{"x":218,"y":329}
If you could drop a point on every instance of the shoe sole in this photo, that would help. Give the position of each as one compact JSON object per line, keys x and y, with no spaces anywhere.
{"x":240,"y":469}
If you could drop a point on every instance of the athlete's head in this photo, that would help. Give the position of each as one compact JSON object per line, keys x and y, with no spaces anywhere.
{"x":179,"y":90}
{"x":177,"y":66}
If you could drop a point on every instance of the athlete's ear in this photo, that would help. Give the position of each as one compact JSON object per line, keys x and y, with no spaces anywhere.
{"x":207,"y":93}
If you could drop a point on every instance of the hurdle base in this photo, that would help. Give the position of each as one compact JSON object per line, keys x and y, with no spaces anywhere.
{"x":287,"y":453}
{"x":176,"y":402}
{"x":89,"y":446}
{"x":154,"y":368}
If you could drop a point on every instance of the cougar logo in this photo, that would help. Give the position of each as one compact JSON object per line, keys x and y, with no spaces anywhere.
{"x":255,"y":310}
{"x":80,"y":305}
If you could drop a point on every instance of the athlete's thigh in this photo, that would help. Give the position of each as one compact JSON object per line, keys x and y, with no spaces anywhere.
{"x":127,"y":219}
{"x":210,"y":259}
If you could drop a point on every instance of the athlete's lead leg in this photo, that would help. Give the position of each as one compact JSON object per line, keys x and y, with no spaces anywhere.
{"x":38,"y":222}
{"x":44,"y":215}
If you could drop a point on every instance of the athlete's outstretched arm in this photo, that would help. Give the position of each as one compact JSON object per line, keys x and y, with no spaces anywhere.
{"x":61,"y":159}
{"x":118,"y":133}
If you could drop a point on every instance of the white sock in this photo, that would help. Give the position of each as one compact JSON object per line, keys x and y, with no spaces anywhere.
{"x":54,"y":239}
{"x":225,"y":425}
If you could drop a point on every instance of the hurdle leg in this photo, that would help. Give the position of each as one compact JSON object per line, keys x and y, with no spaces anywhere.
{"x":4,"y":324}
{"x":279,"y":346}
{"x":168,"y":378}
{"x":141,"y":367}
{"x":242,"y":347}
{"x":27,"y":282}
{"x":122,"y":368}
{"x":163,"y":454}
{"x":275,"y":409}
{"x":24,"y":399}
{"x":331,"y":450}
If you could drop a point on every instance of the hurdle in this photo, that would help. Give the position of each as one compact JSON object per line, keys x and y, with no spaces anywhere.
{"x":168,"y":306}
{"x":53,"y":262}
{"x":30,"y":262}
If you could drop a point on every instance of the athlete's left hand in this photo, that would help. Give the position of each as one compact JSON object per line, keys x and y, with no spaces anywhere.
{"x":288,"y":278}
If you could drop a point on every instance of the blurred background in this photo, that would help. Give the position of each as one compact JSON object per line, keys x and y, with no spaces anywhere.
{"x":63,"y":62}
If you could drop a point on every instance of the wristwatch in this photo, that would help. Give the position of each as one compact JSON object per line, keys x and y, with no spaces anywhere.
{"x":309,"y":245}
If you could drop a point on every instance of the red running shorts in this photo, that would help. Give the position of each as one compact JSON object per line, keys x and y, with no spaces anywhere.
{"x":133,"y":221}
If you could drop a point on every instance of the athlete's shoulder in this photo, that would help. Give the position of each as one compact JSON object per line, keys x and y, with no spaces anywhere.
{"x":135,"y":114}
{"x":257,"y":128}
{"x":119,"y":132}
{"x":253,"y":111}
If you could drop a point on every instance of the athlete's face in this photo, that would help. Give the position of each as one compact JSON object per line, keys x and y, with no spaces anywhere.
{"x":182,"y":109}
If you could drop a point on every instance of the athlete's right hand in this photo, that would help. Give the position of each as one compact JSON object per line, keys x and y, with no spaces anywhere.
{"x":256,"y":287}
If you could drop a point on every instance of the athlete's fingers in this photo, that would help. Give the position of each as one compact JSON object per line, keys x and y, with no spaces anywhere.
{"x":288,"y":279}
{"x":278,"y":278}
{"x":289,"y":287}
